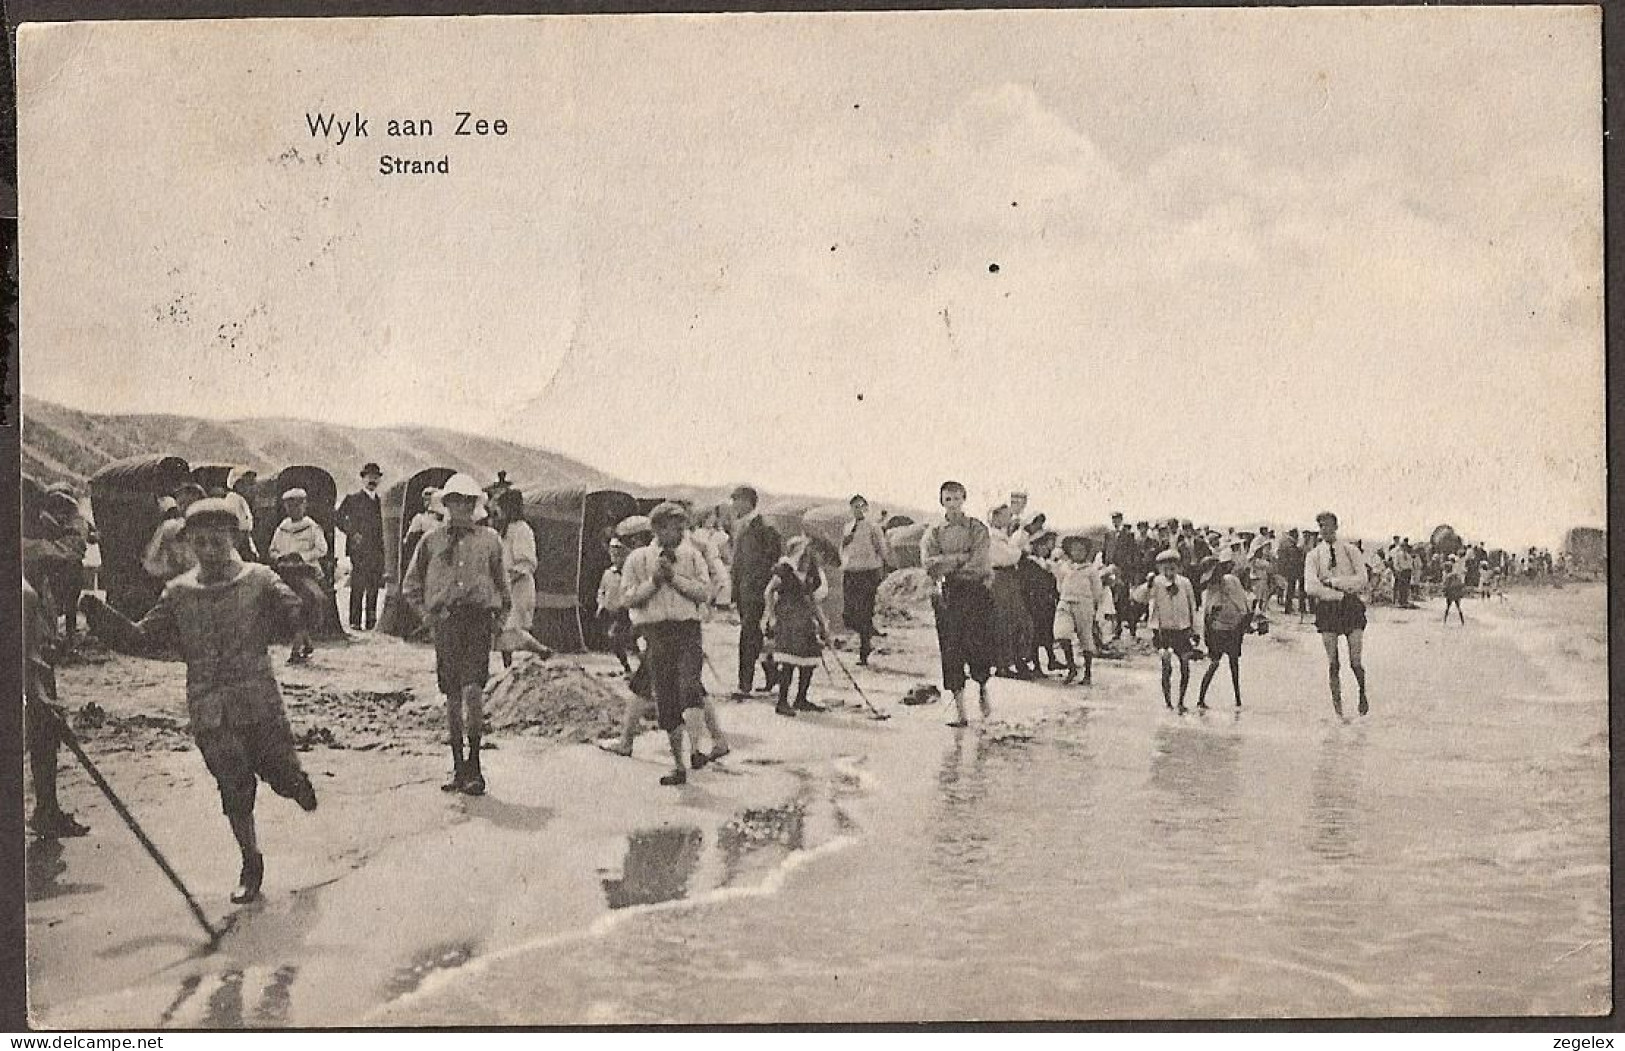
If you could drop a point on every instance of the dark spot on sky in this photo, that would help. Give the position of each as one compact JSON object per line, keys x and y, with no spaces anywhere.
{"x":1012,"y":204}
{"x":860,"y":397}
{"x":832,"y":248}
{"x":993,"y":268}
{"x":854,"y":105}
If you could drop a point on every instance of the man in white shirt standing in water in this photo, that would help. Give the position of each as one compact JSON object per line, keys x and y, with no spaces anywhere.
{"x":1334,"y":575}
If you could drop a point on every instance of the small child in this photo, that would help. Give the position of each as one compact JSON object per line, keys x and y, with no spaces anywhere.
{"x":796,"y":623}
{"x":1455,"y":586}
{"x":1171,"y":609}
{"x":1080,"y":598}
{"x":1226,"y":611}
{"x":223,"y":614}
{"x":297,"y":549}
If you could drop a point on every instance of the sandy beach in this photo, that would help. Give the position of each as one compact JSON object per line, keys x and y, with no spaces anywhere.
{"x":1086,"y":854}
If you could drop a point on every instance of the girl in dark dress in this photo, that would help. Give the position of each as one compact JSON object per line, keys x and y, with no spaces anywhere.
{"x":795,"y":623}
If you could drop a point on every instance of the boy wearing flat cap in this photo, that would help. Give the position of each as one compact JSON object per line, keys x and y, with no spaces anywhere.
{"x":222,"y":615}
{"x":458,"y":584}
{"x":666,"y":587}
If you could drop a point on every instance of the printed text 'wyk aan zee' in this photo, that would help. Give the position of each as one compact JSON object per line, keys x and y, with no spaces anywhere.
{"x":345,"y":131}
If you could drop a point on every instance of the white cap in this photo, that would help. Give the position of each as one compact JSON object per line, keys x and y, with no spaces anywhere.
{"x":461,"y":484}
{"x":295,"y":493}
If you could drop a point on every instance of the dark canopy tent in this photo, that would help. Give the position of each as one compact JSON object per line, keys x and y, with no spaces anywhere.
{"x":402,"y":502}
{"x":321,"y":497}
{"x":571,"y":556}
{"x":33,"y":499}
{"x":124,"y":502}
{"x":213,"y":477}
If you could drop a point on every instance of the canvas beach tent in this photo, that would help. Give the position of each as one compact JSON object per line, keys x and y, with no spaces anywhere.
{"x":124,"y":503}
{"x":403,"y":502}
{"x":571,"y":525}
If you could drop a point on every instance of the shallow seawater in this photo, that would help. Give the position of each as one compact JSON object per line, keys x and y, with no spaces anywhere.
{"x":1447,"y":855}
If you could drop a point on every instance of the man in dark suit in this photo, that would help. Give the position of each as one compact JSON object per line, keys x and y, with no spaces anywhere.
{"x":757,"y":549}
{"x":361,"y":516}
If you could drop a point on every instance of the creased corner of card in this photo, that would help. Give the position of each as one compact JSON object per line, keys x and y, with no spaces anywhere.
{"x":45,"y":52}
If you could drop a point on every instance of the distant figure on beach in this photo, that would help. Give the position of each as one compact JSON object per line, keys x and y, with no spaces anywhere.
{"x":297,"y":549}
{"x":361,"y":517}
{"x":241,"y":485}
{"x":1170,"y":603}
{"x":1077,"y":607}
{"x":457,"y":582}
{"x":1335,"y":577}
{"x":795,"y":623}
{"x":1455,"y":586}
{"x":954,"y":553}
{"x":757,"y":548}
{"x":519,"y":558}
{"x":1289,"y":561}
{"x":864,"y":557}
{"x":1040,"y":588}
{"x":423,"y":523}
{"x":1011,"y":621}
{"x":1226,"y":609}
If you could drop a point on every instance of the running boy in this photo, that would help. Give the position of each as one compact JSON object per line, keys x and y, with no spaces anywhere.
{"x":458,"y":584}
{"x":222,"y":614}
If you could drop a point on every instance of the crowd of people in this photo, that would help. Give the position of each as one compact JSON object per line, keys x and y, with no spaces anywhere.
{"x":1010,"y":596}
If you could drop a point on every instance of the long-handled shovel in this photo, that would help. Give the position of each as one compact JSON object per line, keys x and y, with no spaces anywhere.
{"x":878,"y":715}
{"x":72,"y":742}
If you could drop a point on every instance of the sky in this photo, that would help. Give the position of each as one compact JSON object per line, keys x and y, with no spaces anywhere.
{"x":1235,"y":265}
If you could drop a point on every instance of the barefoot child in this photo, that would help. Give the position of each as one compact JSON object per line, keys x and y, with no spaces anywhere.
{"x":795,"y":622}
{"x":1081,"y":594}
{"x":458,"y":584}
{"x":1171,"y":608}
{"x":222,"y":615}
{"x":1226,"y":610}
{"x":1455,"y":586}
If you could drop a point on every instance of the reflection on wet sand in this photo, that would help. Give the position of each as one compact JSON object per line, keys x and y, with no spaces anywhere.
{"x":657,"y":867}
{"x":1195,"y":772}
{"x":1334,"y":797}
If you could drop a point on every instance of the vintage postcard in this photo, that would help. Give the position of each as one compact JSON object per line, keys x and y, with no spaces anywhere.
{"x":913,"y":516}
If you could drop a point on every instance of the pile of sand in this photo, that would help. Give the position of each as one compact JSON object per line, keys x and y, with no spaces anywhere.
{"x":555,"y":699}
{"x":904,"y":594}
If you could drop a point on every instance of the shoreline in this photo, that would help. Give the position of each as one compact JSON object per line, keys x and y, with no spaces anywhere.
{"x":394,"y":897}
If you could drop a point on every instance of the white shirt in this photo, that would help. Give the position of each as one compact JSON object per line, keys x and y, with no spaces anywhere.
{"x":1322,"y":581}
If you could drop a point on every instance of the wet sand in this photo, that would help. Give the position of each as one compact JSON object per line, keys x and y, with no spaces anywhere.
{"x":1084,"y":855}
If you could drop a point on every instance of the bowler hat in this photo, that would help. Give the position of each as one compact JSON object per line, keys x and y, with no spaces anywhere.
{"x":370,"y":468}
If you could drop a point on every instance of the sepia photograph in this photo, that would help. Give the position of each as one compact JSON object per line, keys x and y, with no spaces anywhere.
{"x":799,"y":518}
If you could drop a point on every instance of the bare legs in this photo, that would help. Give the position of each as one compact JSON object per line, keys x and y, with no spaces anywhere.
{"x":1334,"y":676}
